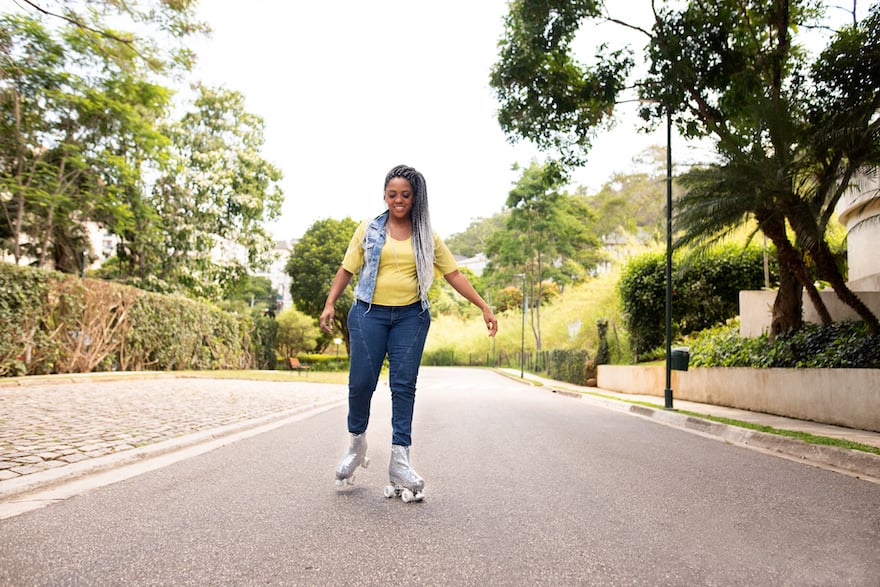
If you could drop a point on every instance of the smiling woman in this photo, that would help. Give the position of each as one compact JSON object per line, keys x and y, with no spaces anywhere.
{"x":396,"y":255}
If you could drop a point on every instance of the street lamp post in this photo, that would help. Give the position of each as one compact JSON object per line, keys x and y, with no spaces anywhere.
{"x":667,"y":393}
{"x":338,"y":341}
{"x":522,"y":347}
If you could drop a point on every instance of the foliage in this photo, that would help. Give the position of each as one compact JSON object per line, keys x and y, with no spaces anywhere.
{"x":264,"y":333}
{"x":545,"y":238}
{"x":314,"y":261}
{"x":568,"y":365}
{"x":86,"y":139}
{"x":62,"y":324}
{"x":475,"y":237}
{"x":79,"y":107}
{"x":463,"y":340}
{"x":509,"y":298}
{"x":632,"y":203}
{"x":705,"y":292}
{"x":791,"y":130}
{"x":216,"y":194}
{"x":445,"y":300}
{"x":603,"y":354}
{"x":297,"y":333}
{"x":250,"y":294}
{"x":324,"y":363}
{"x":838,"y":345}
{"x":546,"y":96}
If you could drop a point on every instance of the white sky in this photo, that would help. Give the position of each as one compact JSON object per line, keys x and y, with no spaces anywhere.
{"x":349,"y":89}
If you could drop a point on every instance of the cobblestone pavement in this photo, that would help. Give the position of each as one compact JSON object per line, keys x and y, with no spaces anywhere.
{"x":49,"y":426}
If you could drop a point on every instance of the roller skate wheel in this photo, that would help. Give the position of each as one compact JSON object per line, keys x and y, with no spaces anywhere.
{"x":344,"y":482}
{"x":389,"y":491}
{"x":407,"y":496}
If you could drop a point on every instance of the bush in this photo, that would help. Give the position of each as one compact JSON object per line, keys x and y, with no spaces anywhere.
{"x":705,"y":292}
{"x":568,"y":365}
{"x":839,"y":345}
{"x":59,"y":323}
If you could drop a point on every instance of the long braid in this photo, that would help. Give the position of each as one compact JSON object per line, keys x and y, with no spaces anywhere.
{"x":422,"y":233}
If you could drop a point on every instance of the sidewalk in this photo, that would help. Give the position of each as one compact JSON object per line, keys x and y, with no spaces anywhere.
{"x":853,"y":462}
{"x":56,"y":429}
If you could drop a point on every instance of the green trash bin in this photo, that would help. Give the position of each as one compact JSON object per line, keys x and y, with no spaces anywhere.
{"x":680,"y":358}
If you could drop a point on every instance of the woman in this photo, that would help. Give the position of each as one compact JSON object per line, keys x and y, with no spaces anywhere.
{"x":395,"y":255}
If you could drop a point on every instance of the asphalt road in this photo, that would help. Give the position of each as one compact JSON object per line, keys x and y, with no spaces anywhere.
{"x":524,"y":487}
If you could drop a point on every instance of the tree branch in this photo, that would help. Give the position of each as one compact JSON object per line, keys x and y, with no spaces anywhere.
{"x":77,"y":23}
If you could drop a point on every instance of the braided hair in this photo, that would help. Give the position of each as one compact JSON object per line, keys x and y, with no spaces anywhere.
{"x":422,"y":233}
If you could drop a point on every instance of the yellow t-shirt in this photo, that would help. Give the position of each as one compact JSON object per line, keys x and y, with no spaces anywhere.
{"x":397,"y":282}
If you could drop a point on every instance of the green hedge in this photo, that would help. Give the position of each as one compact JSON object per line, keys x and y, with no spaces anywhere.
{"x":839,"y":345}
{"x":568,"y":365}
{"x":705,"y":292}
{"x":58,"y":323}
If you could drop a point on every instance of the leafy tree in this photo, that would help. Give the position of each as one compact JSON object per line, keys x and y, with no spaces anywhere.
{"x":445,"y":300}
{"x":793,"y":131}
{"x":263,"y":334}
{"x":632,"y":203}
{"x":252,"y":294}
{"x":217,"y":192}
{"x":475,"y":237}
{"x":314,"y":261}
{"x":78,"y":107}
{"x":545,"y":229}
{"x":296,"y":333}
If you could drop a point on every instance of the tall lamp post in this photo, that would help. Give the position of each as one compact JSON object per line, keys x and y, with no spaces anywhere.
{"x":338,"y":341}
{"x":522,"y":343}
{"x":667,"y":393}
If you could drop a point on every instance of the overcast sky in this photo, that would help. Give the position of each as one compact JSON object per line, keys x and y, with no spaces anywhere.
{"x":349,"y":89}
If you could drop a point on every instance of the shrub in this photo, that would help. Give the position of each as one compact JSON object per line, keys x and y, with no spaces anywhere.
{"x":705,"y":292}
{"x":568,"y":365}
{"x":846,"y":344}
{"x":59,"y":323}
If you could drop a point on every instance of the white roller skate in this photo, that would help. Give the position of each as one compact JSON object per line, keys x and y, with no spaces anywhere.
{"x":355,"y":456}
{"x":405,"y":482}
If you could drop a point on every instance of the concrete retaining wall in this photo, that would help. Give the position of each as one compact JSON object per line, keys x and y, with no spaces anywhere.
{"x":842,"y":397}
{"x":756,"y":309}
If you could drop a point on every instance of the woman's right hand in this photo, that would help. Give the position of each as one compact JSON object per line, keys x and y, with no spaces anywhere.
{"x":327,"y":319}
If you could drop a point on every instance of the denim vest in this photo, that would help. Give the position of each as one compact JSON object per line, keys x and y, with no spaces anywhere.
{"x":374,"y":240}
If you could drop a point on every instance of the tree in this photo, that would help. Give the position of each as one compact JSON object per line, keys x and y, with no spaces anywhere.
{"x":78,"y":106}
{"x":296,"y":333}
{"x":216,"y":192}
{"x":725,"y":70}
{"x":545,"y":238}
{"x":475,"y":237}
{"x":252,"y":294}
{"x":632,"y":203}
{"x":313,"y":262}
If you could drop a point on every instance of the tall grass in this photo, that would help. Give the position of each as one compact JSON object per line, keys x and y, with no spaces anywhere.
{"x":567,"y":322}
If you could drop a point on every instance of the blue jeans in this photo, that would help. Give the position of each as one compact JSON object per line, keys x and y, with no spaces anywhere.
{"x":376,"y":331}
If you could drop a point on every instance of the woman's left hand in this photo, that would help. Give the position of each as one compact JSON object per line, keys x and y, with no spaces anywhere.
{"x":491,"y":321}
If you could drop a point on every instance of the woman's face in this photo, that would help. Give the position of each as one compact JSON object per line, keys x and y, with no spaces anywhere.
{"x":399,"y":197}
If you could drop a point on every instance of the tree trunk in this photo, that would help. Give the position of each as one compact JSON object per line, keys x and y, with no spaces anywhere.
{"x":828,"y":271}
{"x":788,"y":305}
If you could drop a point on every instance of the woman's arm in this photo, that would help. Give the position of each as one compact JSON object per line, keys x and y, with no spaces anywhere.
{"x":340,"y":282}
{"x":461,"y":284}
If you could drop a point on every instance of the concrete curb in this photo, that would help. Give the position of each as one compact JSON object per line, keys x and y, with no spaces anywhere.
{"x":856,"y":463}
{"x":19,"y":488}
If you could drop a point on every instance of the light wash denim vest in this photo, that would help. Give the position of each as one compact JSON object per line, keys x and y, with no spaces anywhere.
{"x":374,"y":240}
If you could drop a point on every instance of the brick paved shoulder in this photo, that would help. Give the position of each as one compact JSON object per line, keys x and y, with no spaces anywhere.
{"x":48,"y":426}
